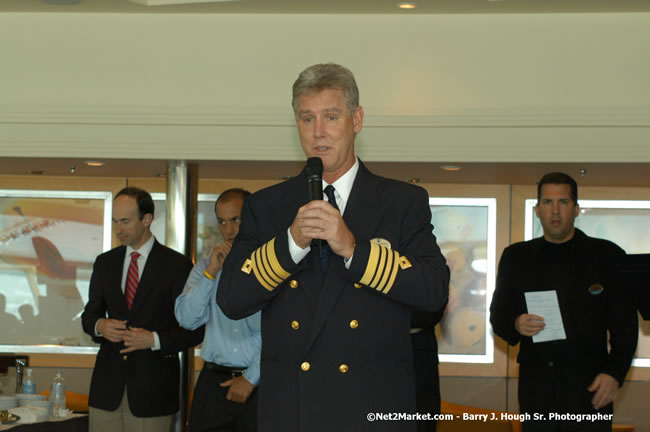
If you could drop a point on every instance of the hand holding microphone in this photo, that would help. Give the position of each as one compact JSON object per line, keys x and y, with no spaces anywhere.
{"x":318,"y":220}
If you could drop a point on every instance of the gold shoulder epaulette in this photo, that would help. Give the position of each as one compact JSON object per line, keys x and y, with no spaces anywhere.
{"x":265,"y":266}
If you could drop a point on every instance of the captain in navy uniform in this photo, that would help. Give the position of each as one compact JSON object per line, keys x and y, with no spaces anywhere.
{"x":336,"y":315}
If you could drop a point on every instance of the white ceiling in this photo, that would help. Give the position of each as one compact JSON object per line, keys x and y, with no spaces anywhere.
{"x":331,"y":6}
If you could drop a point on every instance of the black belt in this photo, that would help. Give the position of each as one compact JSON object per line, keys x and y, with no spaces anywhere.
{"x":226,"y":370}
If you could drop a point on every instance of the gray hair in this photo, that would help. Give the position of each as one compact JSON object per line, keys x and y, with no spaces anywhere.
{"x":327,"y":76}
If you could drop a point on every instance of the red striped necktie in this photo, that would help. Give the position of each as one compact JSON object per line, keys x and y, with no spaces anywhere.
{"x":132,"y":279}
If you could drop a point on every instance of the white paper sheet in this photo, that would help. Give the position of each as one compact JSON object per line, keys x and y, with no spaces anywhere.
{"x":545,"y":304}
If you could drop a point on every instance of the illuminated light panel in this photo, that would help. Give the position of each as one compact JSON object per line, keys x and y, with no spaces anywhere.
{"x":490,"y":275}
{"x":406,"y":5}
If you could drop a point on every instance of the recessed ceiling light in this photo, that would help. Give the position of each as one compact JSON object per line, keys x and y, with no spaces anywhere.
{"x":407,"y":5}
{"x":414,"y":180}
{"x":451,"y":167}
{"x":94,"y":163}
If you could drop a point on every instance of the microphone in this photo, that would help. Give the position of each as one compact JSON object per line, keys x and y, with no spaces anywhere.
{"x":314,"y":170}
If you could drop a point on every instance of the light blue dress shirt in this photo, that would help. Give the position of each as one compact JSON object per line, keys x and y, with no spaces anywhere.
{"x":227,"y":342}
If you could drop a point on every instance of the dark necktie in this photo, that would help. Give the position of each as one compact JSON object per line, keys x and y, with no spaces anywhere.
{"x":329,"y":191}
{"x":132,"y":278}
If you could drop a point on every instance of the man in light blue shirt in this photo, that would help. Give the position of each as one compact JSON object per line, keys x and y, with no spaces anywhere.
{"x":224,"y":397}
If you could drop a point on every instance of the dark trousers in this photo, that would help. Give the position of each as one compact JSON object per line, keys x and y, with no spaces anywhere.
{"x":549,"y":388}
{"x":211,"y":412}
{"x":427,"y":380}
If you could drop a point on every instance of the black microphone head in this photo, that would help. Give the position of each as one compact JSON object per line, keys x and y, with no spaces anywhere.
{"x":314,"y":170}
{"x":314,"y":167}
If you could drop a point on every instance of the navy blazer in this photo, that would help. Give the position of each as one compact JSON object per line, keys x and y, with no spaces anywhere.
{"x":151,"y":377}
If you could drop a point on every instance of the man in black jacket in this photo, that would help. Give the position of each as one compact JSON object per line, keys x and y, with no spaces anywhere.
{"x":563,"y":378}
{"x":130,"y":312}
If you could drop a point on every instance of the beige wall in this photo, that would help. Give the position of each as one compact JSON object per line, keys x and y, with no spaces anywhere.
{"x":517,"y":87}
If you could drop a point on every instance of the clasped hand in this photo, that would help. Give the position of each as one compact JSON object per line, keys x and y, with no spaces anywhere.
{"x":319,"y":220}
{"x":117,"y":331}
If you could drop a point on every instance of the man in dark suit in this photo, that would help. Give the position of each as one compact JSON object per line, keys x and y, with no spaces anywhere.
{"x":574,"y":374}
{"x":336,"y":313}
{"x":130,"y":312}
{"x":425,"y":365}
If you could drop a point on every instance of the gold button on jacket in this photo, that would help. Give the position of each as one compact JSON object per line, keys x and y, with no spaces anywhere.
{"x":295,"y":325}
{"x":305,"y":366}
{"x":293,"y":284}
{"x":354,"y":324}
{"x":344,"y":368}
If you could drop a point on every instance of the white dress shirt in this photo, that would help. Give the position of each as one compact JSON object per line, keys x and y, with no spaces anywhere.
{"x":144,"y":252}
{"x":342,"y":189}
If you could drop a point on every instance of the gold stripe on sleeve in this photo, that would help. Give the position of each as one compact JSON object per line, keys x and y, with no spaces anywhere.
{"x":391,"y":281}
{"x":261,"y":277}
{"x":383,"y":255}
{"x":371,"y":267}
{"x":273,"y":261}
{"x":390,"y":263}
{"x":267,"y":268}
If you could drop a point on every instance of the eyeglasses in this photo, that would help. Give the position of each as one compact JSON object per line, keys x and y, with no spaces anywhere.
{"x":236,"y":220}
